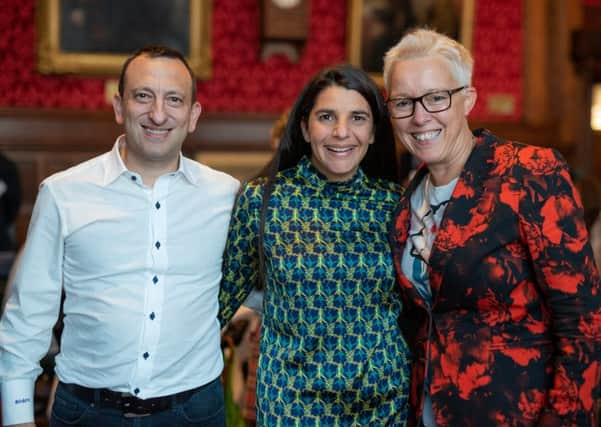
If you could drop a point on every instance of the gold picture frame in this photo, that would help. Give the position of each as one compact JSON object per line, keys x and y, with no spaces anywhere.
{"x":387,"y":24}
{"x":54,"y":58}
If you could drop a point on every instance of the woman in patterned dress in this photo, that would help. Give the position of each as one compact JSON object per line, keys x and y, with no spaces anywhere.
{"x":314,"y":233}
{"x":502,"y":300}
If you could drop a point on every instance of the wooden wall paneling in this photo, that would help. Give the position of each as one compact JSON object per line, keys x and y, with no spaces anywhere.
{"x":545,"y":69}
{"x":570,"y":96}
{"x":535,"y":63}
{"x":566,"y":92}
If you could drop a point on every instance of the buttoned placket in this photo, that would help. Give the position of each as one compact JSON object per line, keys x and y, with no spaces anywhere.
{"x":154,"y":285}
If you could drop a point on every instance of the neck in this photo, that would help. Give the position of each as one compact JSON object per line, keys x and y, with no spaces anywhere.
{"x":148,"y":170}
{"x":443,"y":173}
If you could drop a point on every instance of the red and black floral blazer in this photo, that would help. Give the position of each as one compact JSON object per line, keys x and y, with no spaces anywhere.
{"x":515,"y":323}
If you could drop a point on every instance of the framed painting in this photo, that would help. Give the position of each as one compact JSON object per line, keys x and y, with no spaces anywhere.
{"x":95,"y":37}
{"x":374,"y":26}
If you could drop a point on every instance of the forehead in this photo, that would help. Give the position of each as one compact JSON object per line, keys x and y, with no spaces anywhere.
{"x":417,"y":75}
{"x":340,"y":99}
{"x":166,"y":74}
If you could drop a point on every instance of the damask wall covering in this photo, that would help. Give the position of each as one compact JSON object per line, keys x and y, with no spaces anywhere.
{"x":240,"y":81}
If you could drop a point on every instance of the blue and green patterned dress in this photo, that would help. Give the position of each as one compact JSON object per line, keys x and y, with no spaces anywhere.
{"x":331,"y":350}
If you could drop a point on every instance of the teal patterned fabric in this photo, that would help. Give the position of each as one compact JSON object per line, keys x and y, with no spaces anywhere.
{"x":331,"y":352}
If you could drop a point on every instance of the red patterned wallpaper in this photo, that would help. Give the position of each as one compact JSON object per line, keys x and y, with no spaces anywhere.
{"x":241,"y":82}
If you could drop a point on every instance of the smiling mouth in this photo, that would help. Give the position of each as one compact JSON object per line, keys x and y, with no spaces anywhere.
{"x":340,"y":149}
{"x":426,"y":136}
{"x":155,"y":132}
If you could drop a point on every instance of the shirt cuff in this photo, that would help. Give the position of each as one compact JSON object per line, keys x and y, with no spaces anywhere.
{"x":17,"y":401}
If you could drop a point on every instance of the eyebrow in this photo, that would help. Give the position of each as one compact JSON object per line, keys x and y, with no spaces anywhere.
{"x":148,"y":89}
{"x":424,"y":93}
{"x":333,"y":111}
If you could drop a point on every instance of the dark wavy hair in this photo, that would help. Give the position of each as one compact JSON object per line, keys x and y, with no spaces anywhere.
{"x":380,"y":161}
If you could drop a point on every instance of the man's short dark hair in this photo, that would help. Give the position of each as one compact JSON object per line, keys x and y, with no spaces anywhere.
{"x":156,"y":51}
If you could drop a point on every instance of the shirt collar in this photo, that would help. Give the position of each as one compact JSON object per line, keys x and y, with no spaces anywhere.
{"x":115,"y":166}
{"x":317,"y":179}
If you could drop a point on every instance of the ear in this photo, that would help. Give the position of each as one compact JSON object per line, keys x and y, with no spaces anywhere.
{"x":118,"y":108}
{"x":470,"y":100}
{"x":194,"y":115}
{"x":305,"y":131}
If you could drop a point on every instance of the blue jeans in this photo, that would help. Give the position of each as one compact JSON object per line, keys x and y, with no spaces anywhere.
{"x":205,"y":408}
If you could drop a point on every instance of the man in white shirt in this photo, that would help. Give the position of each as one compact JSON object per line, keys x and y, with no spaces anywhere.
{"x":135,"y":238}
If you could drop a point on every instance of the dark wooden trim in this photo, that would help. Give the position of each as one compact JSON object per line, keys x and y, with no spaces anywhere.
{"x":86,"y":131}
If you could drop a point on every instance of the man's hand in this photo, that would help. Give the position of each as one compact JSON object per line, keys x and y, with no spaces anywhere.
{"x":22,"y":425}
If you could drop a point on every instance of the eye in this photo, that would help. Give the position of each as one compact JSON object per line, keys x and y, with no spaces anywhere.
{"x":360,"y":117}
{"x":438,"y":97}
{"x":175,"y":100}
{"x":142,"y":96}
{"x":326,"y":117}
{"x":402,"y":103}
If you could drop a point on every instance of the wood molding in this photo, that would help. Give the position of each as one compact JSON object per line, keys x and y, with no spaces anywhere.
{"x":535,"y":42}
{"x":86,"y":131}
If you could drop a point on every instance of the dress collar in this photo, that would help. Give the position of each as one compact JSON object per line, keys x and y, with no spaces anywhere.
{"x":318,"y":180}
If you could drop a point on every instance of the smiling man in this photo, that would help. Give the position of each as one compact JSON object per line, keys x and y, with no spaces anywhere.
{"x":135,"y":238}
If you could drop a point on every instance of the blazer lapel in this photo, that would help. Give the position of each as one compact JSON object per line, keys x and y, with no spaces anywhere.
{"x":399,"y":233}
{"x":465,"y":196}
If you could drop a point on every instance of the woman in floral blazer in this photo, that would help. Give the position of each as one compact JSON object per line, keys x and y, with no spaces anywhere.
{"x":502,"y":301}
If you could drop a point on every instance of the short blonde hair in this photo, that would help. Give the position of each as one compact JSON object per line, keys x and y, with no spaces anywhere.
{"x":423,"y":42}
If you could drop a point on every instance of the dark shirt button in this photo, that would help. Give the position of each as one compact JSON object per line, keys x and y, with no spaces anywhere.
{"x":136,"y":390}
{"x":146,"y":355}
{"x":133,"y":178}
{"x":152,"y":316}
{"x":157,"y":205}
{"x":158,"y":244}
{"x":155,"y":279}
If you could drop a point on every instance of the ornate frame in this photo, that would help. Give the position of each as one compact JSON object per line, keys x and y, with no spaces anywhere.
{"x":355,"y":29}
{"x":51,"y":59}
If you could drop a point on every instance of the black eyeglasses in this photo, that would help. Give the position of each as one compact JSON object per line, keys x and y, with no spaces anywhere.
{"x":433,"y":102}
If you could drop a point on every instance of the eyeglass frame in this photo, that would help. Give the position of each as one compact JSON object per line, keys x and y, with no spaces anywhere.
{"x":419,"y":99}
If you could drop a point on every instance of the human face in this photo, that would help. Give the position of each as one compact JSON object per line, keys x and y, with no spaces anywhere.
{"x":339,"y":128}
{"x":157,"y":111}
{"x":442,"y":140}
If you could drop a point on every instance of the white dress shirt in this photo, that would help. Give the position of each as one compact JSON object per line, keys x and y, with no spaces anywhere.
{"x":140,"y":268}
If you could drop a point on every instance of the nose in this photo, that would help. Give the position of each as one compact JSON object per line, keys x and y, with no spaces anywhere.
{"x":420,"y":115}
{"x":341,"y":129}
{"x":157,"y":112}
